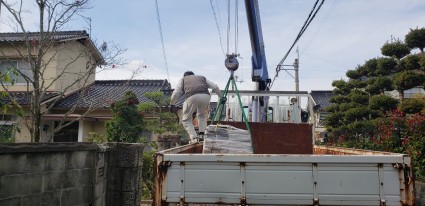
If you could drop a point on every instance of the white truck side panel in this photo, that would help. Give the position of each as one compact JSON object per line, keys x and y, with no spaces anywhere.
{"x":284,"y":179}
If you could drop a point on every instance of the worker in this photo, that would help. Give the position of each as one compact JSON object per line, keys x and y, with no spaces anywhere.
{"x":197,"y":99}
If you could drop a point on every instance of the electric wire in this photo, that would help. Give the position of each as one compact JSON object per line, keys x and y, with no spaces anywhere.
{"x":307,"y":22}
{"x":218,"y":11}
{"x":218,"y":26}
{"x":162,"y":39}
{"x":304,"y":27}
{"x":325,"y":18}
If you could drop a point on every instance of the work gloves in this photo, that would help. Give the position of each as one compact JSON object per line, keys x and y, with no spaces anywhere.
{"x":173,"y":108}
{"x":223,"y":100}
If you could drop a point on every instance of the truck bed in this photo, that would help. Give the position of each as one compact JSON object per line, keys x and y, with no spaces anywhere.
{"x":285,"y":169}
{"x":352,"y":177}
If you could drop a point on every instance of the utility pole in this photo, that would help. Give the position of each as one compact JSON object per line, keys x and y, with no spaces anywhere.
{"x":297,"y":80}
{"x":296,"y":76}
{"x":296,"y":68}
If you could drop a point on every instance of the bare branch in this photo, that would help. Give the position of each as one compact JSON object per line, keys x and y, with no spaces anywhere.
{"x":43,"y":53}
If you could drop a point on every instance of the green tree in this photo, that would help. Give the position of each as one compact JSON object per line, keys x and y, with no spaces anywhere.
{"x":362,"y":116}
{"x":381,"y":104}
{"x":126,"y":124}
{"x":407,"y":80}
{"x":359,"y":97}
{"x":341,"y":87}
{"x":396,"y":49}
{"x":356,"y":114}
{"x":369,"y":67}
{"x":353,"y":74}
{"x":412,"y":106}
{"x":349,"y":108}
{"x":356,"y":84}
{"x":410,"y":62}
{"x":422,"y":61}
{"x":378,"y":85}
{"x":416,"y":39}
{"x":161,"y":122}
{"x":7,"y":104}
{"x":385,"y":66}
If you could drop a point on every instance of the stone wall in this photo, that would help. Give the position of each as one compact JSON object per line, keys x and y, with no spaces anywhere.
{"x":420,"y":193}
{"x":74,"y":174}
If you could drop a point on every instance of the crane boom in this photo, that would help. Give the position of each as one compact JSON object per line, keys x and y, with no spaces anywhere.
{"x":259,"y":63}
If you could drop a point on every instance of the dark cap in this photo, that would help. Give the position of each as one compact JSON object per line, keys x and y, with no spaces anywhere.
{"x":188,"y":73}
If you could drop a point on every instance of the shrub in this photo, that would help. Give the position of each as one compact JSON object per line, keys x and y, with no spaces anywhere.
{"x":147,"y":175}
{"x":126,"y":124}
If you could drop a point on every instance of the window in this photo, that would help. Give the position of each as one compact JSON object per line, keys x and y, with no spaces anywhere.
{"x":7,"y":128}
{"x":67,"y":134}
{"x":7,"y":132}
{"x":4,"y":117}
{"x":11,"y":67}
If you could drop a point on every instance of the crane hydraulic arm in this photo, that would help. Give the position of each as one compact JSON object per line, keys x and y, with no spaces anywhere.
{"x":259,"y":64}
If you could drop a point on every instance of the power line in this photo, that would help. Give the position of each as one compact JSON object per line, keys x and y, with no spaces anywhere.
{"x":162,"y":39}
{"x":307,"y":22}
{"x":327,"y":60}
{"x":218,"y":26}
{"x":320,"y":25}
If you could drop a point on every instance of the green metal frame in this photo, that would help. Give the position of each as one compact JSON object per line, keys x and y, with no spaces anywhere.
{"x":220,"y":106}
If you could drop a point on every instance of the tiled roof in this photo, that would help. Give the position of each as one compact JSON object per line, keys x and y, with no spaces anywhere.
{"x":23,"y":98}
{"x":102,"y":93}
{"x":322,"y":98}
{"x":58,"y":35}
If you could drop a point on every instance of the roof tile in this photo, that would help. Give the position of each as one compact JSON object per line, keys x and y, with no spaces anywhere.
{"x":58,"y":35}
{"x":102,"y":93}
{"x":24,"y":97}
{"x":322,"y":98}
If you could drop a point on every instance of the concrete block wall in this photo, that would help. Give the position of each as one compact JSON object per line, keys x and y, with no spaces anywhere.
{"x":124,"y":174}
{"x":47,"y":174}
{"x":74,"y":174}
{"x":99,"y":194}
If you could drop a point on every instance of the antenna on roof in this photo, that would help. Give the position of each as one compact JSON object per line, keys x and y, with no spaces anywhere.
{"x":104,"y":46}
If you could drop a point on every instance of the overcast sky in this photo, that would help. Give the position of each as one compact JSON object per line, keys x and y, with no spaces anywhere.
{"x":343,"y":35}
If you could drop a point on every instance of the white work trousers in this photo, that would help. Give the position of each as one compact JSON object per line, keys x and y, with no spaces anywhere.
{"x":196,"y":103}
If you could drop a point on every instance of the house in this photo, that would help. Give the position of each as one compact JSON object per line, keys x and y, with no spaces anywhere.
{"x":10,"y":120}
{"x":70,"y":92}
{"x":67,"y":62}
{"x":318,"y":101}
{"x":410,"y":93}
{"x":67,"y":55}
{"x":92,"y":107}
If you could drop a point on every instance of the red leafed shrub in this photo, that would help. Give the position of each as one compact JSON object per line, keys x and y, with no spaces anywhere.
{"x":404,"y":134}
